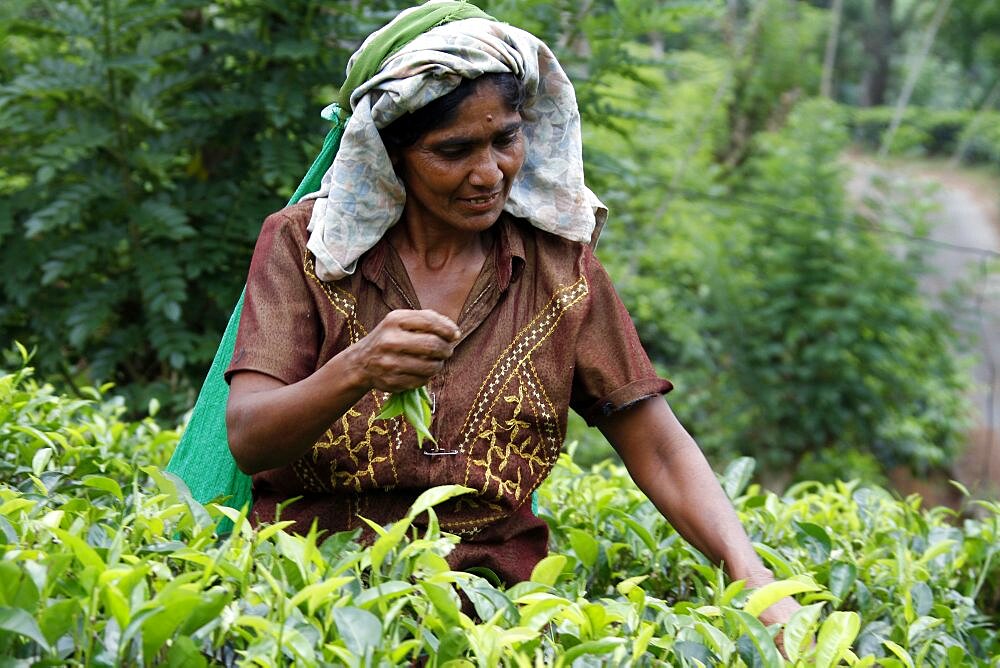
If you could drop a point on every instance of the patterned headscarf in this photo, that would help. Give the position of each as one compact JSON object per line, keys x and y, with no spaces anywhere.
{"x":361,"y":196}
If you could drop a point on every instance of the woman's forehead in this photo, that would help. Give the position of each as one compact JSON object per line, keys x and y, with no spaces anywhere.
{"x":483,"y":112}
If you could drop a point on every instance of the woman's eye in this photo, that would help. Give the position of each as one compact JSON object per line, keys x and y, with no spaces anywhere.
{"x":453,"y":152}
{"x":507,"y":139}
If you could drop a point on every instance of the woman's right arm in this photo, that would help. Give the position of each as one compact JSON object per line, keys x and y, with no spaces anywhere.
{"x":272,"y":424}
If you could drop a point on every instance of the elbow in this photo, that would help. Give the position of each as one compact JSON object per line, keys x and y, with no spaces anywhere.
{"x":244,"y":463}
{"x":240,"y":445}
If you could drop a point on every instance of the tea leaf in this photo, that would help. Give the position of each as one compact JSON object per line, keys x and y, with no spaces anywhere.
{"x":548,"y":570}
{"x":15,"y":620}
{"x":360,"y":629}
{"x":84,"y":553}
{"x":798,"y":631}
{"x":540,"y":611}
{"x":435,"y":496}
{"x":388,"y":541}
{"x":842,"y":577}
{"x":835,"y":637}
{"x":766,"y":596}
{"x":104,"y":484}
{"x":758,"y":636}
{"x":815,"y":539}
{"x":444,"y":600}
{"x":585,"y":547}
{"x":41,"y":459}
{"x":266,"y":532}
{"x":604,"y":646}
{"x":319,"y":591}
{"x":487,"y":600}
{"x":392,"y":408}
{"x":737,"y":476}
{"x":415,"y":406}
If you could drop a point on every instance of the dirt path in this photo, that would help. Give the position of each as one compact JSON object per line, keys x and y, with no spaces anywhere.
{"x":965,"y":213}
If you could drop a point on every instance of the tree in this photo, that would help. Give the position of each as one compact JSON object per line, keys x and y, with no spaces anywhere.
{"x":144,"y":142}
{"x":878,"y":39}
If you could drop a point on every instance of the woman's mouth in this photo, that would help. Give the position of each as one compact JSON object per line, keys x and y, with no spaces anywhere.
{"x":482,"y":201}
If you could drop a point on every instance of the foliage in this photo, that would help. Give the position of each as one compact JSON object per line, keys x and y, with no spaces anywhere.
{"x":107,"y":560}
{"x":932,"y":132}
{"x":786,"y":322}
{"x":416,"y":408}
{"x":878,"y":38}
{"x":144,"y":142}
{"x":127,"y":219}
{"x":972,"y":35}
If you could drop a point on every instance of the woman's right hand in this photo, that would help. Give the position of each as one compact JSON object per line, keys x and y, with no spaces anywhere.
{"x":405,"y":350}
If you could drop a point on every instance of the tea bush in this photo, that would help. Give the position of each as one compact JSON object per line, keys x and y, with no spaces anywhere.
{"x":106,"y":560}
{"x":793,"y":329}
{"x":931,"y":132}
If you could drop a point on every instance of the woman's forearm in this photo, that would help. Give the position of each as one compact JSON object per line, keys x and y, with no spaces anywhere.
{"x":272,"y":424}
{"x":670,"y":469}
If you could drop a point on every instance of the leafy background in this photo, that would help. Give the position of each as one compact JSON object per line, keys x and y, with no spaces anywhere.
{"x":109,"y":561}
{"x":145,"y":141}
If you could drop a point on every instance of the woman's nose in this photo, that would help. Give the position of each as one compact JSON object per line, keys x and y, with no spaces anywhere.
{"x":486,"y":173}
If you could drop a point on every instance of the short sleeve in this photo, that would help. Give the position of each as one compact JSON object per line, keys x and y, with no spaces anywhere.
{"x":612,"y":369}
{"x":279,"y":328}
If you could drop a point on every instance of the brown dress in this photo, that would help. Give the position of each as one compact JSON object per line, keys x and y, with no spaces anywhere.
{"x":543,"y":331}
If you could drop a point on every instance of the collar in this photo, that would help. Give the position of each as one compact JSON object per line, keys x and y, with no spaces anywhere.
{"x":508,"y":255}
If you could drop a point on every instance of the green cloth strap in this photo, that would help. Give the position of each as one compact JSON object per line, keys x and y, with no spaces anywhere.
{"x":414,"y":23}
{"x":202,"y":458}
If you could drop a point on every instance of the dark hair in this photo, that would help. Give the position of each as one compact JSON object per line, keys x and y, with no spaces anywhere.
{"x":408,"y":128}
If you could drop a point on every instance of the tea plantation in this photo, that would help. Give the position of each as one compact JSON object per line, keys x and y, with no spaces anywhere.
{"x":106,"y":560}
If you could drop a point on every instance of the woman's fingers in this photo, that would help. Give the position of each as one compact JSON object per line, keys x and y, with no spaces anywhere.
{"x":427,"y":321}
{"x":418,"y":344}
{"x":406,"y":349}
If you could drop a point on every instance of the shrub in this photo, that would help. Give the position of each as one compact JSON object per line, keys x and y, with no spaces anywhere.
{"x":787,"y":323}
{"x":143,"y":145}
{"x":105,"y":560}
{"x":931,"y":132}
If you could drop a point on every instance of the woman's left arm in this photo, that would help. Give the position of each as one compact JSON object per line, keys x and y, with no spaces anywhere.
{"x":669,"y":467}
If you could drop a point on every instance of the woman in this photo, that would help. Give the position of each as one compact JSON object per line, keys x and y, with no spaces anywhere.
{"x":449,"y":248}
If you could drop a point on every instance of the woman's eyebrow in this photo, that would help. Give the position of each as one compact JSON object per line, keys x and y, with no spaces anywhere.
{"x":458,"y":142}
{"x":512,"y":127}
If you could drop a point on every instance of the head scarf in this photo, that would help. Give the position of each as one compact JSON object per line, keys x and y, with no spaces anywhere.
{"x":360,"y":197}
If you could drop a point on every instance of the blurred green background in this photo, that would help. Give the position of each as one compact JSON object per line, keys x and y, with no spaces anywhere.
{"x":142,"y":142}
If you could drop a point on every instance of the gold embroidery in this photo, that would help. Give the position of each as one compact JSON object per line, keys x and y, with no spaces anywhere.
{"x":339,"y":440}
{"x":489,"y":444}
{"x":510,"y":436}
{"x":517,"y":354}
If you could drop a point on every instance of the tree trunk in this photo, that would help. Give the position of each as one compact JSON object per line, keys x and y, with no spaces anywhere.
{"x":878,"y":43}
{"x":916,"y":66}
{"x":830,"y":57}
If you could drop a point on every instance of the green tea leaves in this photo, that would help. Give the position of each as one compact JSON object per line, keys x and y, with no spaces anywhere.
{"x":769,"y":594}
{"x":15,"y":620}
{"x":415,"y":407}
{"x":116,"y":564}
{"x":361,"y":630}
{"x":835,"y":637}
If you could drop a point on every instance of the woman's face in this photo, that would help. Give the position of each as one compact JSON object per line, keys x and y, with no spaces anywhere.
{"x":458,"y":176}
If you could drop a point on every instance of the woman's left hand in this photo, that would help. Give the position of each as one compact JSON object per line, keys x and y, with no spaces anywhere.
{"x":667,"y":465}
{"x":779,"y":613}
